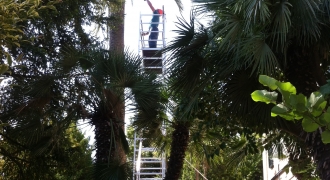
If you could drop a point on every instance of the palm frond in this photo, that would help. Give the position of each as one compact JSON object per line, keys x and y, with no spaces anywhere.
{"x":306,"y":18}
{"x":281,"y":22}
{"x":186,"y":63}
{"x":179,"y":4}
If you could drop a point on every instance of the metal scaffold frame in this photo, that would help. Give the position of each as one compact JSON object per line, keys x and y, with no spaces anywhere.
{"x":153,"y":59}
{"x":148,"y":164}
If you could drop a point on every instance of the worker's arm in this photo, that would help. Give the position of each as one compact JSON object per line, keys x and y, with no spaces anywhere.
{"x":150,"y":5}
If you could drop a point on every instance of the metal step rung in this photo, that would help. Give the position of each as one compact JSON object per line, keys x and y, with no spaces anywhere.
{"x":152,"y":67}
{"x":148,"y":162}
{"x":151,"y":158}
{"x":152,"y":58}
{"x":151,"y":51}
{"x":154,"y":70}
{"x":140,"y":138}
{"x":147,"y":48}
{"x":151,"y":168}
{"x":146,"y":149}
{"x":143,"y":173}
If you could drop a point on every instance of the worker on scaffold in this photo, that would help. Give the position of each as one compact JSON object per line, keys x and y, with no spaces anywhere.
{"x":154,"y":32}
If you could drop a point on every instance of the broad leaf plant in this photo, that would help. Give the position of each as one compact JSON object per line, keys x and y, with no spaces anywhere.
{"x":312,"y":111}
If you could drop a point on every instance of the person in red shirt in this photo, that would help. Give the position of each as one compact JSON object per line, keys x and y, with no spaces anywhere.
{"x":153,"y":37}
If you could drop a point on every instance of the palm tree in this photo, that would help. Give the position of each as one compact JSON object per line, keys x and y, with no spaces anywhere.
{"x":116,"y":44}
{"x":285,"y":39}
{"x":112,"y":73}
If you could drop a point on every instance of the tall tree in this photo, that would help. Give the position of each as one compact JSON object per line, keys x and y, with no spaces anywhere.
{"x":69,"y":159}
{"x":116,"y":25}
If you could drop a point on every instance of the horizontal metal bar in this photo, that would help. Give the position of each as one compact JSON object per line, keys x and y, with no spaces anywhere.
{"x":150,"y":162}
{"x":147,"y":149}
{"x":152,"y":14}
{"x":151,"y":158}
{"x":151,"y":48}
{"x":150,"y":173}
{"x":152,"y":168}
{"x":154,"y":67}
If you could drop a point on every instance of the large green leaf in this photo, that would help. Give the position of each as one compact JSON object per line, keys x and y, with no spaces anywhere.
{"x":264,"y":96}
{"x":283,"y":111}
{"x":316,"y":103}
{"x":286,"y":89}
{"x":308,"y":124}
{"x":298,"y":102}
{"x":268,"y":81}
{"x":325,"y":137}
{"x":286,"y":86}
{"x":325,"y":118}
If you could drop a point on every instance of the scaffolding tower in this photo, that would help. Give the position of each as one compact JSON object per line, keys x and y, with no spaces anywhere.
{"x":148,"y":163}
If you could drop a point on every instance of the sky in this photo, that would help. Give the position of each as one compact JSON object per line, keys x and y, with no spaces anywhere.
{"x":133,"y":9}
{"x":137,"y":7}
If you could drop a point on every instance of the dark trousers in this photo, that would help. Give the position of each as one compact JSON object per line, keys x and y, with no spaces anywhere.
{"x":153,"y":37}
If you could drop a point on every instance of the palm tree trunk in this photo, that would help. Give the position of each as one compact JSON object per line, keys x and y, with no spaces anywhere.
{"x":180,"y":138}
{"x":111,"y":117}
{"x":107,"y":138}
{"x":108,"y":122}
{"x":117,"y":13}
{"x":305,"y":73}
{"x":117,"y":16}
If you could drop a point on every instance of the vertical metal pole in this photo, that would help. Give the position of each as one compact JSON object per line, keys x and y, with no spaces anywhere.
{"x":265,"y":164}
{"x":140,"y":36}
{"x":164,"y":42}
{"x":134,"y":152}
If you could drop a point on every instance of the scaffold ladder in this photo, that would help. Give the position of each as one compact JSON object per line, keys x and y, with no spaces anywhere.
{"x":148,"y":163}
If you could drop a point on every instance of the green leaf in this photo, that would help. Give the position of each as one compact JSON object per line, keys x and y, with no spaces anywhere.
{"x":316,"y":103}
{"x":314,"y":98}
{"x":325,"y":118}
{"x":9,"y":59}
{"x":286,"y":86}
{"x":325,"y":89}
{"x":297,"y":115}
{"x":298,"y":102}
{"x":279,"y":109}
{"x":3,"y":68}
{"x":268,"y":81}
{"x":52,"y":7}
{"x":308,"y":124}
{"x":264,"y":96}
{"x":288,"y":116}
{"x":20,"y":57}
{"x":316,"y":111}
{"x":325,"y":137}
{"x":286,"y":89}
